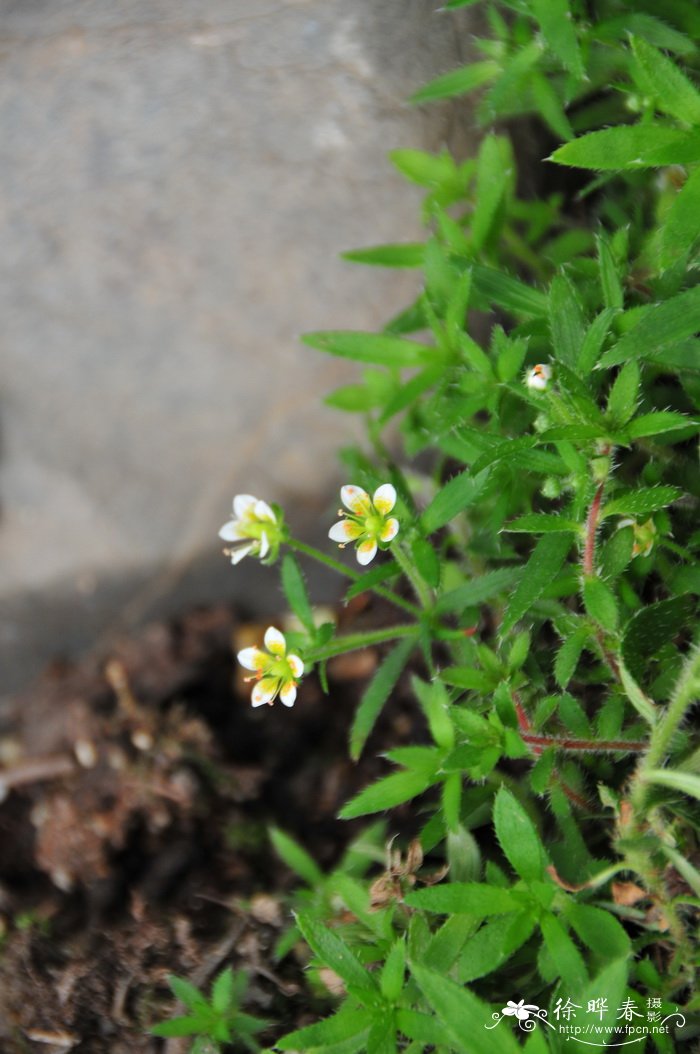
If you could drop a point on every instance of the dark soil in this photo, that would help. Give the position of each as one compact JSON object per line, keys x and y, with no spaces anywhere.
{"x":139,"y":787}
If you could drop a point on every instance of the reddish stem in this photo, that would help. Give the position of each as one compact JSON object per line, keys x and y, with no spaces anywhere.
{"x":591,"y":527}
{"x":624,"y":745}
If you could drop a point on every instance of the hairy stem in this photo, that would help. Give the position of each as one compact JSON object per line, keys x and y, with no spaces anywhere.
{"x":627,"y":746}
{"x":421,"y":589}
{"x":588,"y":562}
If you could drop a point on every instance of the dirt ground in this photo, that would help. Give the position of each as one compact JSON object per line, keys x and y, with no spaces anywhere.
{"x":137,"y":790}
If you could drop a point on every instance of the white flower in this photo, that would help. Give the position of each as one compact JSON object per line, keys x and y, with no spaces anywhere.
{"x":368,"y":522}
{"x":276,"y":673}
{"x":521,"y":1010}
{"x":256,"y":526}
{"x":537,"y":379}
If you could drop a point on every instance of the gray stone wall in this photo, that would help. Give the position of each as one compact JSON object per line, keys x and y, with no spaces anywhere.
{"x":179,"y":177}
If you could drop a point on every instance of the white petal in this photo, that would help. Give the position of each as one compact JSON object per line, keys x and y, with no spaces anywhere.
{"x":344,"y":531}
{"x":264,"y":546}
{"x":295,"y":665}
{"x":389,"y":530}
{"x":264,"y":512}
{"x":274,"y":641}
{"x":242,"y":503}
{"x":354,"y":498}
{"x":231,"y":532}
{"x":251,"y":658}
{"x":288,"y":693}
{"x":366,"y":552}
{"x":243,"y":550}
{"x":264,"y":691}
{"x":384,"y":498}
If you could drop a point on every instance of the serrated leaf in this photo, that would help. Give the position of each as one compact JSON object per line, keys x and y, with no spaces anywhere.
{"x":494,"y":171}
{"x":222,"y":991}
{"x":379,"y":348}
{"x":423,"y":1028}
{"x":457,"y":82}
{"x":566,"y":957}
{"x":187,"y":993}
{"x":377,"y":693}
{"x":375,"y":577}
{"x":609,"y":277}
{"x":600,"y":603}
{"x":681,"y":227}
{"x":410,"y":254}
{"x":479,"y":590}
{"x":392,"y":975}
{"x":296,"y":858}
{"x":496,"y":287}
{"x":652,"y":627}
{"x":517,"y":837}
{"x":624,"y":394}
{"x":558,"y":29}
{"x":435,"y":704}
{"x":599,"y":930}
{"x":641,"y":502}
{"x":673,"y":92}
{"x":657,"y":423}
{"x":621,"y":147}
{"x":386,"y":793}
{"x":494,"y":944}
{"x":349,"y":1021}
{"x":335,"y":953}
{"x":464,"y":898}
{"x":189,"y":1025}
{"x":468,"y":678}
{"x":594,"y":339}
{"x":463,"y":1015}
{"x":541,"y":523}
{"x":612,"y":980}
{"x":542,"y":568}
{"x":452,"y":498}
{"x":568,"y":656}
{"x":668,"y":322}
{"x":565,"y":320}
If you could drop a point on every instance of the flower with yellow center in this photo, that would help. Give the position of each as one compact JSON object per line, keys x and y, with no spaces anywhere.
{"x":368,"y":523}
{"x":254,"y":524}
{"x":275,"y":672}
{"x":537,"y":379}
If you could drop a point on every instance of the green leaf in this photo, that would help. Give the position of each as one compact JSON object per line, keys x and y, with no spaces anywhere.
{"x":568,"y":656}
{"x":599,"y":930}
{"x":463,"y":1015}
{"x":548,"y":103}
{"x":616,"y":554}
{"x":612,"y":982}
{"x":609,"y":277}
{"x":663,"y":324}
{"x":296,"y":594}
{"x":468,"y":678}
{"x":352,"y":398}
{"x":495,"y":287}
{"x":652,"y":627}
{"x":392,"y":975}
{"x":686,"y":782}
{"x":621,"y":147}
{"x":558,"y":29}
{"x":422,"y":1027}
{"x":641,"y":502}
{"x":296,"y":858}
{"x":410,"y":254}
{"x":435,"y":704}
{"x":673,"y":92}
{"x":517,"y":836}
{"x":377,"y":693}
{"x":386,"y":793}
{"x":428,"y":170}
{"x":594,"y":340}
{"x":464,"y":898}
{"x":541,"y":523}
{"x":657,"y":423}
{"x":494,"y":173}
{"x":426,"y":561}
{"x":179,"y":1026}
{"x":453,"y":497}
{"x":223,"y":991}
{"x":542,"y":568}
{"x":681,"y":227}
{"x":190,"y":996}
{"x":371,"y":347}
{"x":478,"y":590}
{"x":457,"y":82}
{"x":642,"y":704}
{"x":624,"y":394}
{"x":565,"y":320}
{"x":494,"y":944}
{"x":334,"y":952}
{"x":349,"y":1021}
{"x":600,"y":603}
{"x":566,"y":957}
{"x":381,"y":1038}
{"x":375,"y":577}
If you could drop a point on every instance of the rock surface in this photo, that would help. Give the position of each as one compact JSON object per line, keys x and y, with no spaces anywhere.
{"x":178,"y":182}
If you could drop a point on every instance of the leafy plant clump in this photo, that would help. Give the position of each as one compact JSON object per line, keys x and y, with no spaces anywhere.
{"x":549,"y":375}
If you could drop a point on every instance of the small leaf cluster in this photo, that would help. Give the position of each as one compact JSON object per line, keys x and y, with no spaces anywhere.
{"x":215,"y":1021}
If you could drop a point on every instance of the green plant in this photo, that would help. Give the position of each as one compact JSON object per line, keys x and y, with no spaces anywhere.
{"x":549,"y":553}
{"x":215,"y":1021}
